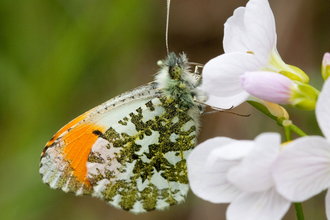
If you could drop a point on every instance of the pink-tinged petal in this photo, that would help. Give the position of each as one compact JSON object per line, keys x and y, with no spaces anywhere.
{"x":327,"y":204}
{"x":227,"y":102}
{"x":302,"y":169}
{"x":221,"y":74}
{"x":269,"y":86}
{"x":326,"y":66}
{"x":322,"y":109}
{"x":235,"y":38}
{"x":209,"y":183}
{"x":258,"y":206}
{"x":253,"y":174}
{"x":260,"y":28}
{"x":326,"y":59}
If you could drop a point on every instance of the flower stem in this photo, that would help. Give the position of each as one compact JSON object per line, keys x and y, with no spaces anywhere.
{"x":297,"y":130}
{"x":287,"y":132}
{"x":279,"y":121}
{"x":299,"y":211}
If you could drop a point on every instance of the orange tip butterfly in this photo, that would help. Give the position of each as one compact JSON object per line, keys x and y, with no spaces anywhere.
{"x":131,"y":151}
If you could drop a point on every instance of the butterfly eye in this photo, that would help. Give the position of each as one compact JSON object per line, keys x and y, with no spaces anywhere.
{"x":175,"y":72}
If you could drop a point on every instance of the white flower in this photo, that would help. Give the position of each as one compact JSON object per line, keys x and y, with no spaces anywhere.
{"x":303,"y":167}
{"x":250,"y":45}
{"x":223,"y":170}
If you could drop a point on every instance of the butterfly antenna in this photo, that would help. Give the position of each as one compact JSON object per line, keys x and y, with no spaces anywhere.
{"x":167,"y":21}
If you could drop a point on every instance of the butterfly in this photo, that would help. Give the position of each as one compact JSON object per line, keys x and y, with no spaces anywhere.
{"x":131,"y":151}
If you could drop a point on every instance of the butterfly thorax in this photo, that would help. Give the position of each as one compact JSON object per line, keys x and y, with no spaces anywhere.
{"x":177,"y":82}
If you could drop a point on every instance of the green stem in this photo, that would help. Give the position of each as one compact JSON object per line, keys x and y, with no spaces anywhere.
{"x":297,"y":130}
{"x":299,"y":211}
{"x":287,"y":132}
{"x":279,"y":121}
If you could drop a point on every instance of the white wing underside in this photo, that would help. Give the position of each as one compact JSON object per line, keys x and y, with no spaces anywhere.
{"x":122,"y":167}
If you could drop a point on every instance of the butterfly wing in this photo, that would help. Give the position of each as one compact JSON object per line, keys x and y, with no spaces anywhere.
{"x":130,"y":151}
{"x":63,"y":160}
{"x":139,"y":164}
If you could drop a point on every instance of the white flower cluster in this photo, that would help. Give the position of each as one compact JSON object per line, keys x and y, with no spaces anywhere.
{"x":260,"y":178}
{"x":251,"y":64}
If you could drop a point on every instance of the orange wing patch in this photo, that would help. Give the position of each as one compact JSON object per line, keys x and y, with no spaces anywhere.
{"x":64,"y":158}
{"x":78,"y":144}
{"x":66,"y":127}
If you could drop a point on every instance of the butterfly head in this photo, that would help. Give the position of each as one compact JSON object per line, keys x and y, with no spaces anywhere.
{"x":175,"y":65}
{"x":174,"y":69}
{"x":177,"y":81}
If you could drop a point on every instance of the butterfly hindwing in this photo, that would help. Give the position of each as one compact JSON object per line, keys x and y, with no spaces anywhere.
{"x":139,"y":163}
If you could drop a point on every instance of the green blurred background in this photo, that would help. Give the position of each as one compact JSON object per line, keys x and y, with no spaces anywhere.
{"x":59,"y":58}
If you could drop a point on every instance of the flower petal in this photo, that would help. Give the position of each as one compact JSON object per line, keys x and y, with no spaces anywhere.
{"x":302,"y":169}
{"x":209,"y":183}
{"x":253,"y":174}
{"x":322,"y":110}
{"x":235,"y":150}
{"x":269,"y":86}
{"x":221,"y":74}
{"x":235,"y":38}
{"x":261,"y":205}
{"x":260,"y":28}
{"x":227,"y":102}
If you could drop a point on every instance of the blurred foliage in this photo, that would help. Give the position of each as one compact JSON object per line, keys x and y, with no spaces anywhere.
{"x":59,"y":58}
{"x":48,"y":51}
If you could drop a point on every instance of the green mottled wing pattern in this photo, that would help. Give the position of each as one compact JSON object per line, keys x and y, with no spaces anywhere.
{"x":139,"y":163}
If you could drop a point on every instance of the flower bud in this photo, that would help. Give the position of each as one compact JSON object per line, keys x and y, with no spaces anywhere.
{"x":326,"y":66}
{"x":269,"y":86}
{"x":276,"y":88}
{"x":271,"y":109}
